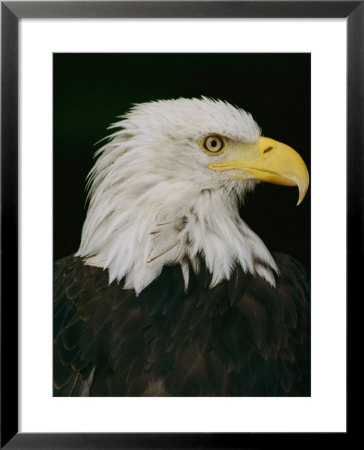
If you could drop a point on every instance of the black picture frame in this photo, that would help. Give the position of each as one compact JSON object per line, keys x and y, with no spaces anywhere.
{"x":11,"y":12}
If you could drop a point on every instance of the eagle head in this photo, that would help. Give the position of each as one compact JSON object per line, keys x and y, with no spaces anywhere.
{"x":165,"y":190}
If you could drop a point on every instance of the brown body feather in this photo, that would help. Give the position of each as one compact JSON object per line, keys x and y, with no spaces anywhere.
{"x":240,"y":338}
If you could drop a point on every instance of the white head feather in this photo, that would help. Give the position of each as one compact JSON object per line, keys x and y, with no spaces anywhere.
{"x":154,"y":201}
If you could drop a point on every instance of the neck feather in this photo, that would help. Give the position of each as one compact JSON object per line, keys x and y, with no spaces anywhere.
{"x":135,"y":238}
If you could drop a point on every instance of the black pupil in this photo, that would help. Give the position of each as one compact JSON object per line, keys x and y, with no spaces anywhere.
{"x":213,"y":143}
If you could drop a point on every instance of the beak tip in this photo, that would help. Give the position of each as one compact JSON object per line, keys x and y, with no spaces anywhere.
{"x":301,"y":195}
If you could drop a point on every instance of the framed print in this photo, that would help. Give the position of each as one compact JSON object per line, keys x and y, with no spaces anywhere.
{"x":200,"y":334}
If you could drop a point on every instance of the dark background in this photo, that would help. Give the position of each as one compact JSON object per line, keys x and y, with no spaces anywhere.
{"x":90,"y":90}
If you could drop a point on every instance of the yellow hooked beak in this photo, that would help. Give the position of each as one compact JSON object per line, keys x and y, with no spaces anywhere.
{"x":270,"y":161}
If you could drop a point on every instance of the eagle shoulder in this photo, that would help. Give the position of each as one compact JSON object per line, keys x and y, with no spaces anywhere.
{"x":241,"y":338}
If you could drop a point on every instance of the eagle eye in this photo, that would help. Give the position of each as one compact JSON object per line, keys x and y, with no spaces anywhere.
{"x":213,"y":144}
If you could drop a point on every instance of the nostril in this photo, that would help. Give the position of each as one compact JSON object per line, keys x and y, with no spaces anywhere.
{"x":268,"y":149}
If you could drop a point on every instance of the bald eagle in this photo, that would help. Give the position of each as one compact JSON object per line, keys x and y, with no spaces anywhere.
{"x":170,"y":292}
